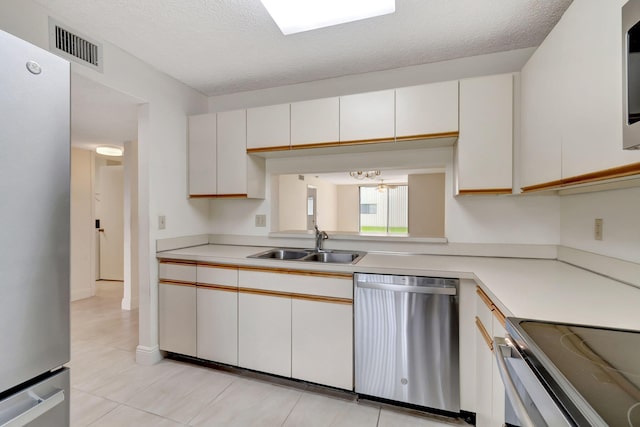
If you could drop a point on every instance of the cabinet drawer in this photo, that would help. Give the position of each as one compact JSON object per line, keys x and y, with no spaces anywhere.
{"x":297,"y":284}
{"x":211,"y":275}
{"x":179,"y":272}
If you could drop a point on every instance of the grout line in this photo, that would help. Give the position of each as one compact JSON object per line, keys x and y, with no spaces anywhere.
{"x":292,"y":408}
{"x":213,"y":400}
{"x":104,"y":415}
{"x":379,"y":414}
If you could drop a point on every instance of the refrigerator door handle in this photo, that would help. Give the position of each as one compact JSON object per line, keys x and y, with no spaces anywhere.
{"x":41,"y":407}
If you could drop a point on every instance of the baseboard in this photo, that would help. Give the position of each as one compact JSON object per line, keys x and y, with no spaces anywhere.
{"x":620,"y":270}
{"x":148,"y":355}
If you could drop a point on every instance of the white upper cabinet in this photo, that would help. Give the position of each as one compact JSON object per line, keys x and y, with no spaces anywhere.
{"x":485,"y":144}
{"x":232,"y":151}
{"x":426,"y":110}
{"x":572,"y":100}
{"x":218,"y":162}
{"x":540,"y":111}
{"x":368,"y":117}
{"x":202,"y":155}
{"x":592,"y":61}
{"x":315,"y":122}
{"x":268,"y":127}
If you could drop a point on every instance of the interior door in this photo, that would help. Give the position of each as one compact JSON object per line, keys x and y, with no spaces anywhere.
{"x":110,"y":211}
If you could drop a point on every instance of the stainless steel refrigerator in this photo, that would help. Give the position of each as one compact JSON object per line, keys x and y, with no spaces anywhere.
{"x":34,"y":235}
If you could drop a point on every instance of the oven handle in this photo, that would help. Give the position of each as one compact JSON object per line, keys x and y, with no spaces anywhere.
{"x":502,"y":350}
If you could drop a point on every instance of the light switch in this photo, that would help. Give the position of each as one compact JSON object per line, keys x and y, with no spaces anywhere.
{"x":261,"y":220}
{"x":162,"y":222}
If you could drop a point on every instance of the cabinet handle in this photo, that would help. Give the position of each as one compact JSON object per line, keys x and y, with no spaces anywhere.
{"x":485,"y":298}
{"x":484,"y":333}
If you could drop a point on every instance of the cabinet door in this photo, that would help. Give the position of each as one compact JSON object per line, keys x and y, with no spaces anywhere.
{"x":368,"y":117}
{"x":484,"y":379}
{"x":485,"y":144}
{"x":315,"y":122}
{"x":232,"y":153}
{"x":427,"y":109}
{"x":177,"y":318}
{"x":322,"y":343}
{"x":217,"y":325}
{"x":268,"y":127}
{"x":264,"y":333}
{"x":498,"y":393}
{"x":592,"y":66}
{"x":202,"y":155}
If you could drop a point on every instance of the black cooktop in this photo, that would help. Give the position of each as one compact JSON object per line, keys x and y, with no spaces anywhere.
{"x":598,"y":366}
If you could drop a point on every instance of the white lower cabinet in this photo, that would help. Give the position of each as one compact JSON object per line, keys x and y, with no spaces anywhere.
{"x":177,"y":318}
{"x":217,"y":321}
{"x":264,"y":333}
{"x":322,"y":342}
{"x":490,"y":395}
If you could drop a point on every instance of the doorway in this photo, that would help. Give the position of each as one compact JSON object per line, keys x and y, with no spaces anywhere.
{"x":312,"y":206}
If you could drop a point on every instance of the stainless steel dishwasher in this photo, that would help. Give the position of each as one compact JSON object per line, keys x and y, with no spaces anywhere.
{"x":406,"y":340}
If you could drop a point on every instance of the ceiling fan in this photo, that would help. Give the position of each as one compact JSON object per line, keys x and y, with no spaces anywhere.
{"x":382,"y":187}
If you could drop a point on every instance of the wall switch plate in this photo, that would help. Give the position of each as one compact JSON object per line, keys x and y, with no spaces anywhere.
{"x":162,"y":222}
{"x":261,"y":220}
{"x":598,"y":229}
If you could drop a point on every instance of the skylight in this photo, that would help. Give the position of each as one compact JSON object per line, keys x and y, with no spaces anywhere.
{"x":296,"y":16}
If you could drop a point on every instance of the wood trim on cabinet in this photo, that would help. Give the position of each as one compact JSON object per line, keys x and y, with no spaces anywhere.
{"x":214,"y":265}
{"x":498,"y":314}
{"x":602,"y":175}
{"x":315,"y":145}
{"x":217,"y":287}
{"x":176,"y":283}
{"x":485,"y":298}
{"x":551,"y":185}
{"x":484,"y":333}
{"x":428,"y":136}
{"x":298,"y":272}
{"x":368,"y":141}
{"x":177,"y":262}
{"x":617,"y":172}
{"x":318,"y":298}
{"x":265,"y":149}
{"x":465,"y":192}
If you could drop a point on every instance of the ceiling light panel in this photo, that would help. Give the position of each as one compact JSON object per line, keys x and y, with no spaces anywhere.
{"x":295,"y":16}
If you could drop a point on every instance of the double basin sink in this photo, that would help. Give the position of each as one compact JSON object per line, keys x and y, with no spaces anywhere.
{"x":311,"y":255}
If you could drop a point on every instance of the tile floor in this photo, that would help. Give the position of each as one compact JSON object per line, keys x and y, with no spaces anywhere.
{"x":109,"y":389}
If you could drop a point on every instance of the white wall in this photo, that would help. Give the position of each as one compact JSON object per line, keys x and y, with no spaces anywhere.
{"x":292,"y":203}
{"x":619,"y":209}
{"x":348,"y":208}
{"x":82,"y":226}
{"x":162,"y":157}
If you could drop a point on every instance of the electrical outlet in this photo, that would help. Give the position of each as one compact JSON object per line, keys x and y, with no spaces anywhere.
{"x":261,"y":220}
{"x":598,"y":229}
{"x":162,"y":222}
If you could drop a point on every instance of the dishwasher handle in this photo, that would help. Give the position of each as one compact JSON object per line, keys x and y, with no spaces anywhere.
{"x":435,"y":290}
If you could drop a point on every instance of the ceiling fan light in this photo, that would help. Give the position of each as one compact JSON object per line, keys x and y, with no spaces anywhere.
{"x":109,"y":151}
{"x":296,"y":16}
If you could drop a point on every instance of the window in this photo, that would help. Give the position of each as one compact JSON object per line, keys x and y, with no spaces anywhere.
{"x":384,"y":210}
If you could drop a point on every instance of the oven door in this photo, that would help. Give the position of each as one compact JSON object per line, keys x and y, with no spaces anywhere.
{"x":531,"y":403}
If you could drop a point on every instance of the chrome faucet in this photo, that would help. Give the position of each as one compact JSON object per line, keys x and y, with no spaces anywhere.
{"x":320,"y":236}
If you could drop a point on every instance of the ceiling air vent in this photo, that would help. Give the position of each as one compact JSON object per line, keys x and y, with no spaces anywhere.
{"x":73,"y":46}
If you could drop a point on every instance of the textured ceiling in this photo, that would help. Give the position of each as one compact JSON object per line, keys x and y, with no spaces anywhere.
{"x":226,"y":46}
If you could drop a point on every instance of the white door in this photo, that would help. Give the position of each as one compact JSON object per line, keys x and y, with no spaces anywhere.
{"x":110,"y":212}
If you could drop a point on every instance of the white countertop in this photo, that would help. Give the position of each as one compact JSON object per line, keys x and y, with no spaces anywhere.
{"x":528,"y":288}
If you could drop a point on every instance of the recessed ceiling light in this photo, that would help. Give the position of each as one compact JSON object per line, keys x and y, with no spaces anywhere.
{"x":109,"y":151}
{"x":295,"y":16}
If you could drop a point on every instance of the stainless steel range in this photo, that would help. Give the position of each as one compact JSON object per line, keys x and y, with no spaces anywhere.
{"x":562,"y":374}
